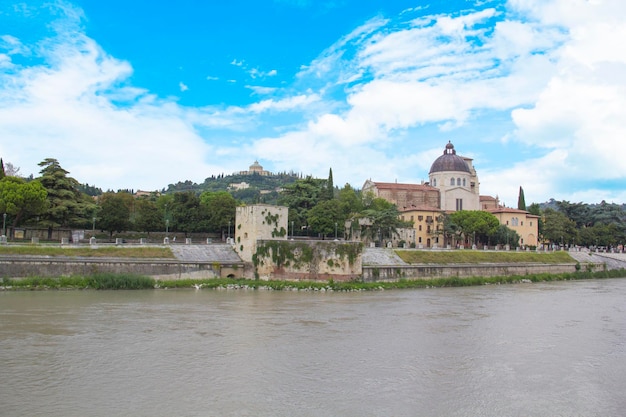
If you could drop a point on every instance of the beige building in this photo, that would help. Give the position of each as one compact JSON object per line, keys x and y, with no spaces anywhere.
{"x":427,"y":227}
{"x":258,"y":222}
{"x":525,"y":224}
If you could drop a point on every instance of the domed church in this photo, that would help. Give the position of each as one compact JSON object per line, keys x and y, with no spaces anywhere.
{"x":456,"y":179}
{"x":453,"y":186}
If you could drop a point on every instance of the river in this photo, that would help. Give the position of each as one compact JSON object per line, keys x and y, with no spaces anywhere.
{"x":549,"y":349}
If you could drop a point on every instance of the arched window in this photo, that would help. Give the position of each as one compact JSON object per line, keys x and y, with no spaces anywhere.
{"x":463,"y":182}
{"x":458,"y":181}
{"x":451,"y":181}
{"x":434,"y":182}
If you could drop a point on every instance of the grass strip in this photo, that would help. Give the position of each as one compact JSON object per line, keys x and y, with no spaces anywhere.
{"x":477,"y":257}
{"x":89,"y":252}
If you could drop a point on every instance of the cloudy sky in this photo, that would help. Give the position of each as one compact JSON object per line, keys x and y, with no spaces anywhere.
{"x":141,"y":94}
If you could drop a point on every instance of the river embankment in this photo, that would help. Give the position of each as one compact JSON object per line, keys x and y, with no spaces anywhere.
{"x":382,"y":269}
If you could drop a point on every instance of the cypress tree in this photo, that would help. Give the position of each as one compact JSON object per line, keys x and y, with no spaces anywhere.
{"x":330,"y":187}
{"x":521,"y":201}
{"x":2,"y":173}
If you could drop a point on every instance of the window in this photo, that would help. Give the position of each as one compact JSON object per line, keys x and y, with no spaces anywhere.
{"x":420,"y":218}
{"x":458,"y":181}
{"x":522,"y":223}
{"x":420,"y":228}
{"x":419,"y":240}
{"x":463,"y":182}
{"x":428,"y":229}
{"x":434,"y":182}
{"x":411,"y":217}
{"x":531,"y":223}
{"x":459,"y":204}
{"x":451,"y":181}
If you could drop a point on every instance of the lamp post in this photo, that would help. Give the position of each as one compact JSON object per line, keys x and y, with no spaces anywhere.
{"x":292,"y":230}
{"x":335,"y":230}
{"x":93,"y":224}
{"x":167,"y":226}
{"x":4,"y":224}
{"x":229,"y":230}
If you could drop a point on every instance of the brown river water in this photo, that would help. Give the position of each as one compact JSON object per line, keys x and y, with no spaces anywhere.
{"x":549,"y":349}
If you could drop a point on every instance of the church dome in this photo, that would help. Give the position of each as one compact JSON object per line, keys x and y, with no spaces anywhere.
{"x":449,"y":161}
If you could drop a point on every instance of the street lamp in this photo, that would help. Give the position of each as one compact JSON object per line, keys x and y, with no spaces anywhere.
{"x":167,"y":226}
{"x":292,"y":229}
{"x":4,"y":224}
{"x":229,"y":230}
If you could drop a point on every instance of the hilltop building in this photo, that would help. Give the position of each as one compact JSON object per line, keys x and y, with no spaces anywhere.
{"x":255,"y":169}
{"x":453,"y":186}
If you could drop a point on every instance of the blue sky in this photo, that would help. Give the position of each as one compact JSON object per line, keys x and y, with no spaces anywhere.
{"x":141,"y":94}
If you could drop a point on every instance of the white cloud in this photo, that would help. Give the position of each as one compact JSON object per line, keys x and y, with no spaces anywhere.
{"x":183,"y":87}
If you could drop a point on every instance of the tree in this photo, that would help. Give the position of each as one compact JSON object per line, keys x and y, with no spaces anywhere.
{"x":326,"y":218}
{"x":148,"y":217}
{"x":115,"y":212}
{"x":2,"y":173}
{"x":505,"y":236}
{"x":330,"y":187}
{"x":220,"y":209}
{"x":350,"y":200}
{"x":558,"y":228}
{"x":382,"y":220}
{"x":521,"y":201}
{"x":301,"y":196}
{"x":470,"y":223}
{"x":67,"y":205}
{"x":22,"y":200}
{"x":187,"y":214}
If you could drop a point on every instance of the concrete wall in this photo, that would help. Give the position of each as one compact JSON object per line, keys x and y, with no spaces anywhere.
{"x":27,"y":266}
{"x":396,"y":272}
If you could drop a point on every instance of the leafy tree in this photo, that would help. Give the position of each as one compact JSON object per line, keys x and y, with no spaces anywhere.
{"x":470,"y":223}
{"x":558,"y":228}
{"x":68,"y":207}
{"x":505,"y":236}
{"x":148,"y":216}
{"x":326,"y":218}
{"x":383,"y":220}
{"x":349,"y":200}
{"x":220,"y":208}
{"x":577,"y":212}
{"x":187,"y":214}
{"x":301,"y":196}
{"x":115,"y":210}
{"x":521,"y":201}
{"x":21,"y":200}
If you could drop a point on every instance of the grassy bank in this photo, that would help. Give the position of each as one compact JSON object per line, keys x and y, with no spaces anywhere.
{"x":128,"y":282}
{"x":88,"y":251}
{"x":477,"y":256}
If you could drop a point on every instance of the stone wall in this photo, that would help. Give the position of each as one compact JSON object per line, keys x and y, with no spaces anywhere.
{"x":27,"y":266}
{"x":375,"y":273}
{"x":308,"y":260}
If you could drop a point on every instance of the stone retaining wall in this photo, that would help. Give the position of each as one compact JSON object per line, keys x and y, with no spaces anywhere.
{"x":373,"y":273}
{"x":27,"y":266}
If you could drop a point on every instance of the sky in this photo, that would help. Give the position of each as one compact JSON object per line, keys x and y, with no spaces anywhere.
{"x":142,"y":94}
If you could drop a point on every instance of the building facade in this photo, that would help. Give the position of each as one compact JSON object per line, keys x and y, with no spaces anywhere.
{"x":453,"y":186}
